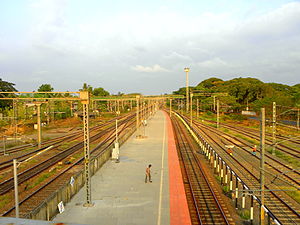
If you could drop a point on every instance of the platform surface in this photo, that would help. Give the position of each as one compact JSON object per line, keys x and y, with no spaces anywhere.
{"x":119,"y":192}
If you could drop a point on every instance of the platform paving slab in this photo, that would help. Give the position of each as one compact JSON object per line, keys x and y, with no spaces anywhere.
{"x":119,"y":192}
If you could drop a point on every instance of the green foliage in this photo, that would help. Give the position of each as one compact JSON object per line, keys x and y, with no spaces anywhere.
{"x":226,"y":189}
{"x":100,"y":92}
{"x":6,"y":86}
{"x":94,"y":91}
{"x":210,"y":83}
{"x":245,"y":214}
{"x":86,"y":87}
{"x":245,"y":91}
{"x":45,"y":88}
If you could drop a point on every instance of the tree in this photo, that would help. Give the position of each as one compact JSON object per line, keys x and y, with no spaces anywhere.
{"x":6,"y":86}
{"x":86,"y":87}
{"x":211,"y":82}
{"x":45,"y":88}
{"x":100,"y":92}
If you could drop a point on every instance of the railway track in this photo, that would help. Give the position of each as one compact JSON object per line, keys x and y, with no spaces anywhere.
{"x":34,"y":198}
{"x":276,"y":166}
{"x":205,"y":204}
{"x":254,"y":134}
{"x":25,"y":175}
{"x":278,"y":203}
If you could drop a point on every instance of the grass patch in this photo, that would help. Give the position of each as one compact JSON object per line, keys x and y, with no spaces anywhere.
{"x":287,"y":158}
{"x":218,"y":178}
{"x":250,"y":140}
{"x":4,"y":199}
{"x":41,"y":178}
{"x":226,"y":189}
{"x":68,"y":144}
{"x":245,"y":214}
{"x":225,"y":130}
{"x":294,"y":195}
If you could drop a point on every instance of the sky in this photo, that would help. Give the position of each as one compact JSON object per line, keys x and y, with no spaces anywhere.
{"x":137,"y":46}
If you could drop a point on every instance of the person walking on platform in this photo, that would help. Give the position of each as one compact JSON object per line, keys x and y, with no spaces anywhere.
{"x":148,"y":174}
{"x":254,"y":150}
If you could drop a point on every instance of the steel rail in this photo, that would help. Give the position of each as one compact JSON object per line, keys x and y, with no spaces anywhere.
{"x":187,"y":145}
{"x":78,"y":161}
{"x":249,"y":172}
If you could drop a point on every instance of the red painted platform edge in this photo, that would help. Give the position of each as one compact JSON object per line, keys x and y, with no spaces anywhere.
{"x":179,"y":211}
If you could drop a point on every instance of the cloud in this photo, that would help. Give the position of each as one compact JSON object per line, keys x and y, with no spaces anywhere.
{"x":106,"y":48}
{"x":148,"y":69}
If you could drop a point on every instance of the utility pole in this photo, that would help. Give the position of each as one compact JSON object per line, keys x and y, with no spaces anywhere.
{"x":181,"y":106}
{"x":15,"y":115}
{"x":186,"y":70}
{"x":298,"y":118}
{"x":191,"y":113}
{"x":197,"y":108}
{"x":274,"y":129}
{"x":4,"y":145}
{"x":262,"y":166}
{"x":39,"y":125}
{"x":16,"y":188}
{"x":48,"y":112}
{"x":218,"y":114}
{"x":214,"y":97}
{"x":117,"y":141}
{"x":170,"y":106}
{"x":137,"y":112}
{"x":71,"y":109}
{"x":85,"y":100}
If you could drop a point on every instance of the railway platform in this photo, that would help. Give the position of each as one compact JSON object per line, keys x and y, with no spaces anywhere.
{"x":119,"y":192}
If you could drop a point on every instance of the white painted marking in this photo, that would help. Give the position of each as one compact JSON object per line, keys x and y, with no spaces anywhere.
{"x":161,"y":175}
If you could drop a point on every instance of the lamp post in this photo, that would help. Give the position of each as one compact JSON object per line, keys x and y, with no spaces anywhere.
{"x":186,"y":70}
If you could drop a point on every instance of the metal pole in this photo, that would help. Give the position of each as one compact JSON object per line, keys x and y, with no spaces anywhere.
{"x":137,"y":112}
{"x":170,"y":106}
{"x":298,"y":118}
{"x":48,"y":112}
{"x":214,"y":103}
{"x":191,"y":113}
{"x":117,"y":131}
{"x":274,"y":129}
{"x":39,"y":125}
{"x":251,"y":210}
{"x":181,"y":106}
{"x":218,"y":114}
{"x":71,"y":108}
{"x":236,"y":192}
{"x":84,"y":95}
{"x":197,"y":108}
{"x":262,"y":166}
{"x":15,"y":119}
{"x":16,"y":188}
{"x":186,"y":70}
{"x":4,"y":145}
